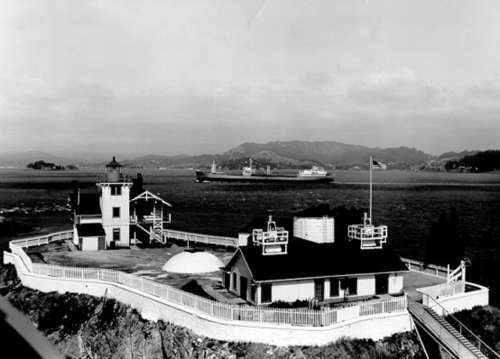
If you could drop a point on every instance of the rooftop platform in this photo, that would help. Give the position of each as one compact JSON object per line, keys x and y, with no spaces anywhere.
{"x":413,"y":280}
{"x":143,"y":262}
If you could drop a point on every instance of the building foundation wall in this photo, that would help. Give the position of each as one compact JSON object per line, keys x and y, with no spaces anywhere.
{"x":153,"y":308}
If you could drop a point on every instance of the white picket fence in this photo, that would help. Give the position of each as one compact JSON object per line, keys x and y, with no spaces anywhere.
{"x":300,"y":317}
{"x":191,"y":302}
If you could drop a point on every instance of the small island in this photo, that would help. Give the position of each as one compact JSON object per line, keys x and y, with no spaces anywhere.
{"x":48,"y":166}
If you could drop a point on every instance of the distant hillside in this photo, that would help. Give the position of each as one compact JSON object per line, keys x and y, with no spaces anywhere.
{"x":327,"y":154}
{"x":290,"y":154}
{"x":278,"y":154}
{"x":448,"y":156}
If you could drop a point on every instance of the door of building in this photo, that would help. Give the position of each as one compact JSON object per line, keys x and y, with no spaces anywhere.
{"x":382,"y":284}
{"x":243,"y":287}
{"x":101,"y":243}
{"x":319,"y":289}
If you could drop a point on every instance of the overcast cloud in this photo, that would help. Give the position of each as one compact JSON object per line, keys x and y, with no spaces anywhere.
{"x":197,"y":76}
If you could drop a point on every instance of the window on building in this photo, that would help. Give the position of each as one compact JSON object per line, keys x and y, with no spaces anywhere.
{"x":116,"y":234}
{"x":349,"y":285}
{"x":116,"y":212}
{"x":334,"y":287}
{"x":116,"y":190}
{"x":266,"y":291}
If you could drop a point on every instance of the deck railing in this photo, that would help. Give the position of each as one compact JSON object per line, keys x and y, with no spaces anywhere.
{"x":191,"y":302}
{"x":419,"y":266}
{"x":201,"y":238}
{"x":17,"y":245}
{"x":41,"y":240}
{"x":296,"y":317}
{"x":441,"y":290}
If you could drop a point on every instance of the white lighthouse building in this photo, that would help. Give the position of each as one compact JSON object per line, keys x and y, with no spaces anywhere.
{"x":119,"y":215}
{"x":114,"y":199}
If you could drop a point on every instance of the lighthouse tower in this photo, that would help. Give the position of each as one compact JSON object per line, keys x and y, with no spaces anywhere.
{"x":114,"y":198}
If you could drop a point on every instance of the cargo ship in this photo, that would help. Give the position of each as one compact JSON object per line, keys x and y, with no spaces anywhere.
{"x":249,"y":174}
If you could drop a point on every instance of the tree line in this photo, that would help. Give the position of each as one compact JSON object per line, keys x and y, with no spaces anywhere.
{"x":486,"y":161}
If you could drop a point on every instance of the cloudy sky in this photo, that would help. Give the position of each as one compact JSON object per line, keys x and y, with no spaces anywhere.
{"x":203,"y":76}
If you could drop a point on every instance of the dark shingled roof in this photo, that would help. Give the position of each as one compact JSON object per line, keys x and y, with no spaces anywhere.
{"x":89,"y":203}
{"x":90,"y":230}
{"x":113,"y":163}
{"x":311,"y":260}
{"x":319,"y":210}
{"x":261,"y":223}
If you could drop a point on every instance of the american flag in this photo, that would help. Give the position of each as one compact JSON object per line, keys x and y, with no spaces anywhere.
{"x":377,"y":165}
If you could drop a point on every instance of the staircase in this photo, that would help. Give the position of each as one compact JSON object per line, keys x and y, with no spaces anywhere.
{"x":153,"y":235}
{"x":442,"y":332}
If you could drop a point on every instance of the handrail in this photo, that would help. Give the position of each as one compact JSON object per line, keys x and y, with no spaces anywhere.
{"x":37,"y":239}
{"x":462,"y":325}
{"x":441,"y":332}
{"x":425,"y":267}
{"x":201,"y":238}
{"x":429,"y":332}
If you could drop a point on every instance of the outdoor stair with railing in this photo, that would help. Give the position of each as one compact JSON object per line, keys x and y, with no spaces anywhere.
{"x":445,"y":334}
{"x":156,"y":236}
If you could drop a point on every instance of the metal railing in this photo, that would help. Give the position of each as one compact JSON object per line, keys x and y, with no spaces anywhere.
{"x":464,"y":331}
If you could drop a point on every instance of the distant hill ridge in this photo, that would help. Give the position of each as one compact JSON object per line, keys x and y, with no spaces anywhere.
{"x":277,"y":154}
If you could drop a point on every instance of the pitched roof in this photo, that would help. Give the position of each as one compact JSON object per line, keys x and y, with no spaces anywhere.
{"x":146,"y":195}
{"x":311,"y":260}
{"x":89,"y":203}
{"x":261,"y":223}
{"x":113,"y":163}
{"x":90,"y":230}
{"x":319,"y":210}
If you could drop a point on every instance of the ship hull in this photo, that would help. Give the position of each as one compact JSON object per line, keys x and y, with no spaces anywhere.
{"x":223,"y":177}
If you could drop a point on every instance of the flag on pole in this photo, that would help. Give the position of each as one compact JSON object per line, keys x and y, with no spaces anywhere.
{"x":377,"y":165}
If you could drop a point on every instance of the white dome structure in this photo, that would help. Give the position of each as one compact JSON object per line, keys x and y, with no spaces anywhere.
{"x":193,"y":262}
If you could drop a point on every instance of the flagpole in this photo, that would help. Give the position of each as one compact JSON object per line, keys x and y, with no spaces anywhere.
{"x":371,"y":167}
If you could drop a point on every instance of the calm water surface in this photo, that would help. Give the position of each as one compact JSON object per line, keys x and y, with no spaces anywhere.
{"x":407,"y":202}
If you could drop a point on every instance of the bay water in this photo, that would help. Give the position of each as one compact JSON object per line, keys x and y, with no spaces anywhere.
{"x":407,"y":202}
